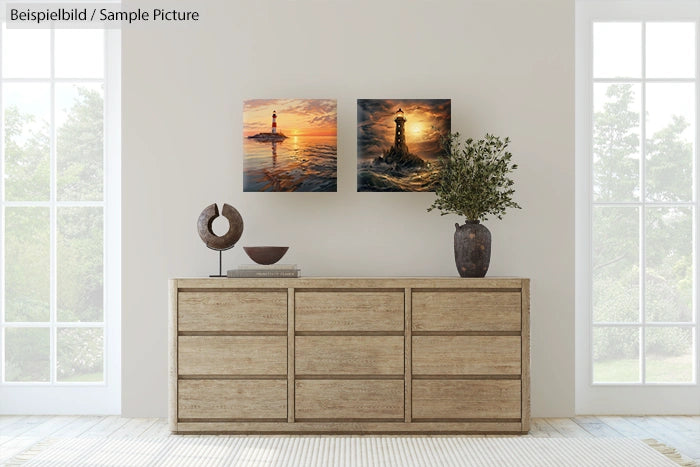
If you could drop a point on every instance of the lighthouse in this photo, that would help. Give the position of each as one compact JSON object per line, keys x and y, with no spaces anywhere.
{"x":400,"y":136}
{"x":398,"y":154}
{"x":272,"y":135}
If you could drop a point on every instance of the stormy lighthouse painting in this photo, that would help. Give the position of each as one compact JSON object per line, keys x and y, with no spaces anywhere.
{"x":290,"y":145}
{"x":398,"y":143}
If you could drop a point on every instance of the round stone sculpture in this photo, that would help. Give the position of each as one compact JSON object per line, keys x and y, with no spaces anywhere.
{"x":206,"y":233}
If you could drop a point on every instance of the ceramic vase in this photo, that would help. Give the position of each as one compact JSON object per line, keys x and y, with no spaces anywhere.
{"x":472,"y":249}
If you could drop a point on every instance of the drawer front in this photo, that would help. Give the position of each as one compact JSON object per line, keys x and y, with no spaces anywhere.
{"x":466,"y":311}
{"x":349,"y":399}
{"x":240,"y":399}
{"x":466,"y":355}
{"x":349,"y":355}
{"x":232,"y":355}
{"x":466,"y":399}
{"x":349,"y":311}
{"x":232,"y":311}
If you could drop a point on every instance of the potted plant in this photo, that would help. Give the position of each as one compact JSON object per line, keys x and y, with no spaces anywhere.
{"x":474,"y":182}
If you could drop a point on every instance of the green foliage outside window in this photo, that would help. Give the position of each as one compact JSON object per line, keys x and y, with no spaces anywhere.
{"x":79,"y":241}
{"x":616,"y":269}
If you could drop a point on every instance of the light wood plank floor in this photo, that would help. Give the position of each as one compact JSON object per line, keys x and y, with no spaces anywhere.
{"x":18,"y":433}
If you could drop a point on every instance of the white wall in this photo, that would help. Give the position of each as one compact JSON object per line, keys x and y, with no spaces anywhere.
{"x":507,"y":65}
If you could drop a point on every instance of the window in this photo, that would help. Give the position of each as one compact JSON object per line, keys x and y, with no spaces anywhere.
{"x":59,"y":191}
{"x":637,"y":98}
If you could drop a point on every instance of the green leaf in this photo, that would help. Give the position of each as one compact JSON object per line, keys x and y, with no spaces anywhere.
{"x":473,"y":178}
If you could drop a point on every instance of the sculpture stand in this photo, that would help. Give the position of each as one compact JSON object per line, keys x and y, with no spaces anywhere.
{"x":220,"y":271}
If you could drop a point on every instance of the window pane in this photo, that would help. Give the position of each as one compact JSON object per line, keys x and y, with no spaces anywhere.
{"x":79,"y":256}
{"x":27,"y":262}
{"x":26,"y":118}
{"x":615,"y":264}
{"x":616,"y":142}
{"x":615,"y":355}
{"x":669,"y":355}
{"x":26,"y":53}
{"x":80,"y":354}
{"x":670,"y":50}
{"x":79,"y":145}
{"x":669,"y":265}
{"x":79,"y":53}
{"x":27,"y":354}
{"x":617,"y":50}
{"x":670,"y":141}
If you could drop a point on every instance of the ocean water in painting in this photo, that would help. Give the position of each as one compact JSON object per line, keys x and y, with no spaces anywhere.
{"x":382,"y":177}
{"x":298,"y":163}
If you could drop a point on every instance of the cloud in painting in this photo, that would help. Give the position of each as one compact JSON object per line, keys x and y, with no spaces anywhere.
{"x":294,"y":116}
{"x":426,"y":121}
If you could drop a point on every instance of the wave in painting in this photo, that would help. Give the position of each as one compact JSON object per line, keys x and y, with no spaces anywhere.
{"x":382,"y":177}
{"x":296,"y":164}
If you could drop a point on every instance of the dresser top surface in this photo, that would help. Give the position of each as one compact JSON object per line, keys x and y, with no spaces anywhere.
{"x":354,"y":282}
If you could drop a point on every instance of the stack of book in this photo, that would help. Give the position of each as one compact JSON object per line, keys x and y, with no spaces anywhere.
{"x":260,"y":270}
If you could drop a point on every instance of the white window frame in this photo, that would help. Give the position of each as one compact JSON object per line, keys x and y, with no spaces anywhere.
{"x":78,"y":398}
{"x":624,"y":398}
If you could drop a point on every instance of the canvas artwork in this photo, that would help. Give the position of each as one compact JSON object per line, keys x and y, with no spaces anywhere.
{"x":398,"y":143}
{"x":290,"y":145}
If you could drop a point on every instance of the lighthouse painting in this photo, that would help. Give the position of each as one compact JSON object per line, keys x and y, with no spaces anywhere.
{"x":398,"y":143}
{"x":290,"y":145}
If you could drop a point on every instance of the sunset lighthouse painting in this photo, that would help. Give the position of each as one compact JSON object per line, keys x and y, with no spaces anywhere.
{"x":290,"y":145}
{"x":398,"y":143}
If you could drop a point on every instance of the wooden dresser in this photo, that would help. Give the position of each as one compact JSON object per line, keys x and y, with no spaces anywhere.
{"x":345,"y":355}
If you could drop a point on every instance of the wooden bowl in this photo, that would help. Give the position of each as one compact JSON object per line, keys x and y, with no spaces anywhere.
{"x":266,"y":254}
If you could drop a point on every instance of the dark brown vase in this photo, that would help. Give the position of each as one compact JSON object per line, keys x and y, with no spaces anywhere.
{"x":472,"y":249}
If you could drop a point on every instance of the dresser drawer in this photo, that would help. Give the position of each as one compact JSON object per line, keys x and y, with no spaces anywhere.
{"x":349,"y":355}
{"x":466,"y":311}
{"x":226,"y":399}
{"x":349,"y":311}
{"x":466,"y":399}
{"x":232,"y":355}
{"x":349,"y":399}
{"x":466,"y":355}
{"x":232,"y":311}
